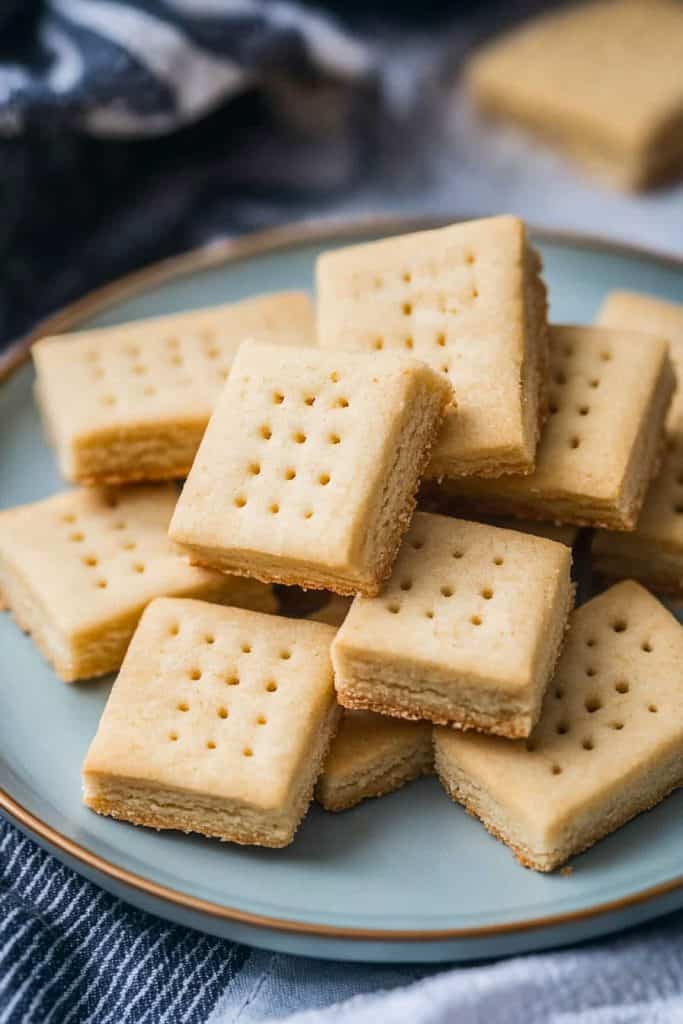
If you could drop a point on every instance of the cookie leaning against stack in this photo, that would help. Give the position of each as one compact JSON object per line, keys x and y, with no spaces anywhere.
{"x":221,"y":718}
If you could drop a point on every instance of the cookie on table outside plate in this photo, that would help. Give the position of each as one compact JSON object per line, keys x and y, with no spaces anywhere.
{"x":609,"y":744}
{"x":466,"y":632}
{"x":653,"y":553}
{"x":218,"y":723}
{"x":308,"y":469}
{"x":602,"y":80}
{"x":78,"y":569}
{"x":373,"y":755}
{"x":131,"y":402}
{"x":598,"y":452}
{"x":467,"y":299}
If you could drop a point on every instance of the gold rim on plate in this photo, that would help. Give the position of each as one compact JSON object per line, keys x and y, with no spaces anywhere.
{"x":231,"y":250}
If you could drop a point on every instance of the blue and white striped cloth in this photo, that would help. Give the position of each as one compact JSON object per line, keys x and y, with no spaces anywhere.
{"x":72,"y":954}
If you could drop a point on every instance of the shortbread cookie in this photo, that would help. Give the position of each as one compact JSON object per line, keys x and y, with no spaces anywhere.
{"x":466,"y":632}
{"x":308,"y":469}
{"x":372,"y":755}
{"x":131,"y":402}
{"x":601,"y":80}
{"x":468,"y":300}
{"x":632,"y":311}
{"x":598,"y":451}
{"x":218,"y":723}
{"x":653,"y":553}
{"x":78,"y":569}
{"x":609,"y":744}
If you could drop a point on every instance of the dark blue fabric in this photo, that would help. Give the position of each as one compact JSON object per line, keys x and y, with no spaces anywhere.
{"x":70,"y":952}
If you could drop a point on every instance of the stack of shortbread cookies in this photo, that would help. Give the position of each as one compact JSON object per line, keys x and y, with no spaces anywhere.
{"x":445,"y":638}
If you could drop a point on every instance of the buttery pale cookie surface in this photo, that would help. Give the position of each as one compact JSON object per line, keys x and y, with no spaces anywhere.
{"x":218,"y":723}
{"x":653,"y":553}
{"x":602,"y":80}
{"x":469,"y":301}
{"x":608,"y":746}
{"x":466,"y":632}
{"x":308,"y":469}
{"x":372,"y":755}
{"x":131,"y":402}
{"x":78,"y":569}
{"x":598,"y":452}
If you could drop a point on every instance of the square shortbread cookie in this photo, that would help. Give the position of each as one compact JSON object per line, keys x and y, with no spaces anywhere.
{"x":653,"y":553}
{"x":131,"y":402}
{"x":468,"y":300}
{"x":218,"y":723}
{"x":372,"y":755}
{"x":598,"y":452}
{"x":309,"y":466}
{"x":602,"y":80}
{"x":466,"y":632}
{"x":608,"y":746}
{"x":77,"y":570}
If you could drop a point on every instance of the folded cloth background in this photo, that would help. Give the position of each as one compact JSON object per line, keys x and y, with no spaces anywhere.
{"x":131,"y":130}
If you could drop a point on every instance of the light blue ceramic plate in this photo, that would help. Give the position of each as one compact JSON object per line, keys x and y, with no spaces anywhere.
{"x":409,"y":877}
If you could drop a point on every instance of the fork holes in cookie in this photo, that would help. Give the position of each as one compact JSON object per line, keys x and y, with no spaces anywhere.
{"x":562,"y":728}
{"x":209,"y":639}
{"x":407,"y":308}
{"x":138,"y":567}
{"x":240,"y":501}
{"x":394,"y":608}
{"x":248,"y":752}
{"x":592,"y":704}
{"x":290,"y":474}
{"x":594,"y":382}
{"x":210,"y":745}
{"x":274,"y":508}
{"x":378,"y":344}
{"x":271,"y":686}
{"x":309,"y":400}
{"x":77,"y":537}
{"x":342,"y":403}
{"x":299,"y":437}
{"x":254,"y":468}
{"x":646,"y":646}
{"x":498,"y":560}
{"x":222,"y":712}
{"x":588,"y":744}
{"x":246,"y":648}
{"x":476,"y":620}
{"x":266,"y":432}
{"x":183,"y":706}
{"x":232,"y":679}
{"x":285,"y":654}
{"x":417,"y":544}
{"x":622,"y":686}
{"x":278,"y":398}
{"x":173,"y":736}
{"x":487,"y":593}
{"x":128,"y":545}
{"x":447,"y":591}
{"x":583,"y":410}
{"x":406,"y":584}
{"x":591,"y":671}
{"x":101,"y":584}
{"x":89,"y":560}
{"x":619,"y":626}
{"x":195,"y":674}
{"x":334,"y":377}
{"x":652,"y":708}
{"x":559,"y":693}
{"x":324,"y":479}
{"x":605,"y":356}
{"x":574,"y":442}
{"x":174,"y":629}
{"x":261,"y":719}
{"x":556,"y":769}
{"x":441,"y":340}
{"x":617,"y":726}
{"x":334,"y":438}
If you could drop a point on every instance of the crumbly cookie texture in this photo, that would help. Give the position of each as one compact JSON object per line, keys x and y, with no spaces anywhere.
{"x":78,"y":569}
{"x":609,"y":744}
{"x":598,"y":453}
{"x":568,"y":77}
{"x":466,"y":632}
{"x":131,"y":402}
{"x":308,"y":469}
{"x":372,"y":755}
{"x":218,"y":723}
{"x":469,"y":300}
{"x":653,"y":553}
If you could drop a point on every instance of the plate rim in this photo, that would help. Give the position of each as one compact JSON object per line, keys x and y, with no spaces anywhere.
{"x":227,"y":250}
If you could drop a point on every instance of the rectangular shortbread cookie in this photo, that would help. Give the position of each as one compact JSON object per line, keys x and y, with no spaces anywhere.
{"x":598,"y":452}
{"x":372,"y":755}
{"x":78,"y":569}
{"x":131,"y":402}
{"x":653,"y":553}
{"x":468,"y":300}
{"x":218,"y":723}
{"x":466,"y":632}
{"x":602,"y":80}
{"x":308,"y":469}
{"x":608,"y":746}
